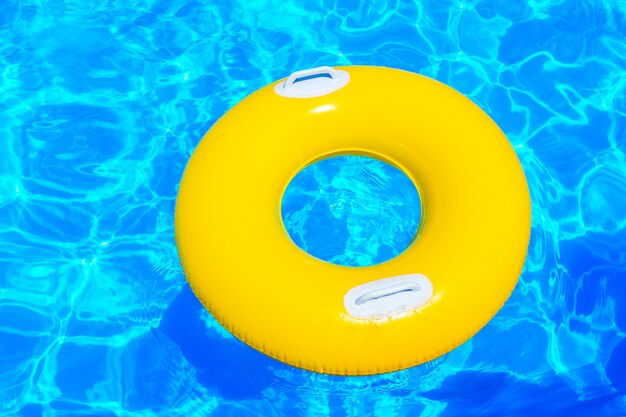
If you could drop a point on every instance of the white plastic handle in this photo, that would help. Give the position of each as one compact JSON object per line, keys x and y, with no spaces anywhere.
{"x":308,"y":73}
{"x":386,"y":292}
{"x":305,"y":84}
{"x":388,"y":297}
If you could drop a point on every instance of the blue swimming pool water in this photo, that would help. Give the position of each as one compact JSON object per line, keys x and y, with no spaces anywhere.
{"x":101,"y":105}
{"x":334,"y":209}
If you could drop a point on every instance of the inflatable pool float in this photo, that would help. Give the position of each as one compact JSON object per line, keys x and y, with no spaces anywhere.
{"x":460,"y":269}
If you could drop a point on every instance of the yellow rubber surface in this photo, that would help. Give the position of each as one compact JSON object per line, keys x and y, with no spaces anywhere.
{"x":242,"y":265}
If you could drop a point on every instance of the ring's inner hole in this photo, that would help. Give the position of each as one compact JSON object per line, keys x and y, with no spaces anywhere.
{"x":351,"y":210}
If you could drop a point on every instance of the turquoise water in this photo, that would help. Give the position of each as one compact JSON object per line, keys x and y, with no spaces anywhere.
{"x":101,"y":105}
{"x":334,"y":209}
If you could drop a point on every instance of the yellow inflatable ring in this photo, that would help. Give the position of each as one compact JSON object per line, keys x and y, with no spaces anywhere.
{"x":460,"y":269}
